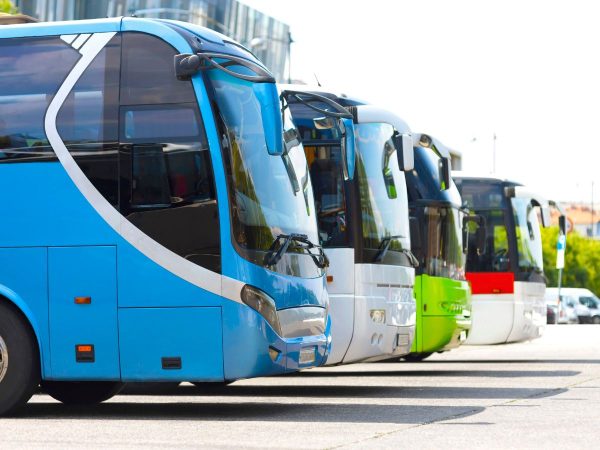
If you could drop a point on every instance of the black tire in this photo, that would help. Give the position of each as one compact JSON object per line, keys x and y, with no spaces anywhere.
{"x":81,"y":392}
{"x":20,"y":366}
{"x":416,"y":357}
{"x":596,"y":320}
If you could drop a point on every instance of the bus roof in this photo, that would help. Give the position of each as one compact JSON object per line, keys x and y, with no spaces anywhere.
{"x":474,"y":175}
{"x":209,"y":40}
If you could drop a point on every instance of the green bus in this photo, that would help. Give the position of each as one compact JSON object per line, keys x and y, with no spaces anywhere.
{"x":438,"y":235}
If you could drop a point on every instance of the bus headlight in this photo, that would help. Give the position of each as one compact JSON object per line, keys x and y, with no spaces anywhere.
{"x":263,"y":304}
{"x":378,"y":315}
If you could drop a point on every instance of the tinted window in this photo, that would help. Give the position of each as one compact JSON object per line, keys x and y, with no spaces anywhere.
{"x":328,"y":186}
{"x":148,"y":75}
{"x":31,"y":71}
{"x":175,"y":122}
{"x":167,"y":186}
{"x":495,"y":257}
{"x":88,"y":121}
{"x":479,"y":194}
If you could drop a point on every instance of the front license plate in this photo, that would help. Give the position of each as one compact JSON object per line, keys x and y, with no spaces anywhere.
{"x":307,"y":355}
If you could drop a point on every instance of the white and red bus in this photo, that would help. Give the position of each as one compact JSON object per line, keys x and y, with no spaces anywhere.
{"x":506,"y":276}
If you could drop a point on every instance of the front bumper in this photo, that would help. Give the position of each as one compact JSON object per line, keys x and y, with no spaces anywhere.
{"x":252,"y":349}
{"x":441,"y":333}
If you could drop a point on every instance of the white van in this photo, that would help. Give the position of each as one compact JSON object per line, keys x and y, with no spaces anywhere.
{"x":584,"y":302}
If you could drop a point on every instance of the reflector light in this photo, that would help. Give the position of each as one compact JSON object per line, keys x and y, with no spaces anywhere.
{"x":83,"y":300}
{"x":330,"y":278}
{"x":274,"y":353}
{"x":307,"y":355}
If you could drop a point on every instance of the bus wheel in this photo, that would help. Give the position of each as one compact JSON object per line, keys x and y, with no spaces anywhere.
{"x":81,"y":392}
{"x":19,"y":361}
{"x":416,"y":357}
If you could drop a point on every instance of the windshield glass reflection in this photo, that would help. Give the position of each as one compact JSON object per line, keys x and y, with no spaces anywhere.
{"x":270,"y":195}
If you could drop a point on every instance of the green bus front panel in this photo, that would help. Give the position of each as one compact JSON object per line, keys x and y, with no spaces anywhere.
{"x":443,"y":313}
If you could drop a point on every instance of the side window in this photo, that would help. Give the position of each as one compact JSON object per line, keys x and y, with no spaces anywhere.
{"x":88,"y":121}
{"x":31,"y":71}
{"x":328,"y":187}
{"x":166,"y":179}
{"x":496,"y":256}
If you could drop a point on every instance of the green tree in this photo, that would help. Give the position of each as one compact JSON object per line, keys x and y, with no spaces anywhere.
{"x":6,"y":6}
{"x":582,"y":260}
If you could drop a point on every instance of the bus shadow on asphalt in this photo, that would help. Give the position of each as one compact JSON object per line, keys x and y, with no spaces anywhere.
{"x":249,"y":411}
{"x":512,"y":361}
{"x":439,"y":373}
{"x":343,"y":391}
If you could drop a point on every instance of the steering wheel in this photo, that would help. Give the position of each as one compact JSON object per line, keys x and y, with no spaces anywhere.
{"x":498,"y":258}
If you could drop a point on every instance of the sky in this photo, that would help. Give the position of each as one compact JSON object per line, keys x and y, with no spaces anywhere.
{"x":463,"y":71}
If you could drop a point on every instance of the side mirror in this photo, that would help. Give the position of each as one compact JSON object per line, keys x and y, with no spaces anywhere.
{"x":562,"y":224}
{"x":445,"y":169}
{"x":415,"y":235}
{"x":348,"y":145}
{"x":405,"y":151}
{"x":271,"y":116}
{"x":546,"y":220}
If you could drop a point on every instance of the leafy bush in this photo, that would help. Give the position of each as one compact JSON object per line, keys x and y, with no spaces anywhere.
{"x":6,"y":6}
{"x":582,"y":260}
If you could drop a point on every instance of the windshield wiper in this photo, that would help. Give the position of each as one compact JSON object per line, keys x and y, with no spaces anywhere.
{"x":385,"y":246}
{"x":282,"y":243}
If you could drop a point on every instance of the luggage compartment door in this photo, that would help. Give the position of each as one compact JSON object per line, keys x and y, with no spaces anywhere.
{"x":84,"y":341}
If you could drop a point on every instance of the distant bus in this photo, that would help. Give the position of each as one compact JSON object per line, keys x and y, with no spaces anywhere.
{"x":364,"y":228}
{"x":145,"y":187}
{"x":506,"y":276}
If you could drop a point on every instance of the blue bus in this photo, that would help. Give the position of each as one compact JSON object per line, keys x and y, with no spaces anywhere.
{"x":158,"y":216}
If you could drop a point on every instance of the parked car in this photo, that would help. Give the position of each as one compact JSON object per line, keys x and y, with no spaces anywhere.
{"x":552,"y":307}
{"x":582,"y":312}
{"x":593,"y":303}
{"x":565,"y":310}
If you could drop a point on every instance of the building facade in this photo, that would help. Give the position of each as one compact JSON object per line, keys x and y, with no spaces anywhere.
{"x":266,"y":37}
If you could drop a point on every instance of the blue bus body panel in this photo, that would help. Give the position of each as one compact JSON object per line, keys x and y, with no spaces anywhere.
{"x":193,"y":335}
{"x":83,"y":272}
{"x":24,"y":281}
{"x":143,"y":283}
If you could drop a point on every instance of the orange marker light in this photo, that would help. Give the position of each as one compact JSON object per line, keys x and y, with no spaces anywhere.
{"x":330,"y":278}
{"x":84,"y":348}
{"x":83,"y":300}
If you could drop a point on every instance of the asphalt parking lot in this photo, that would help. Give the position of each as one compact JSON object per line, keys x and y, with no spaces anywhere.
{"x":544,"y":393}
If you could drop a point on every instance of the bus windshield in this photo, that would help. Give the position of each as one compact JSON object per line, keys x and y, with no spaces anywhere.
{"x":487,"y":198}
{"x":528,"y":236}
{"x":441,"y":252}
{"x":270,"y":195}
{"x":382,"y":193}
